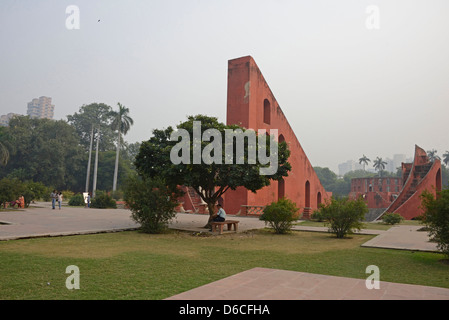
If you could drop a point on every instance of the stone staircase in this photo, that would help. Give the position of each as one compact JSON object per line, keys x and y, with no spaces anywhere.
{"x":198,"y":204}
{"x":418,"y":174}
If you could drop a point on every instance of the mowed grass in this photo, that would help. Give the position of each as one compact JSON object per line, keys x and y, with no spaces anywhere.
{"x":366,"y":225}
{"x":133,"y":265}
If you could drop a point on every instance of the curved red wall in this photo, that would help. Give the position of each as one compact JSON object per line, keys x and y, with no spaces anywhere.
{"x":408,"y":203}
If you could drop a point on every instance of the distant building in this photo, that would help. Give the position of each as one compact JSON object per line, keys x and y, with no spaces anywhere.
{"x":347,"y":166}
{"x":378,"y":192}
{"x":4,"y":119}
{"x":41,"y":108}
{"x":392,"y":165}
{"x":396,"y":163}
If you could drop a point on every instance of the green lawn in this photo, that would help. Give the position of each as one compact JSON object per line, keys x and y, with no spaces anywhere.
{"x":133,"y":265}
{"x":366,"y":225}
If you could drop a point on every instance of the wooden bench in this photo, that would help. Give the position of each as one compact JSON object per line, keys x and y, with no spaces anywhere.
{"x":220,"y":225}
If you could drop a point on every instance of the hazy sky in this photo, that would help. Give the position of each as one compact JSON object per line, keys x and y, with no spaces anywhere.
{"x":346,"y":89}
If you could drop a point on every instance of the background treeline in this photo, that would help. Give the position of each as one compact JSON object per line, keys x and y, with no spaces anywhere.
{"x":55,"y":153}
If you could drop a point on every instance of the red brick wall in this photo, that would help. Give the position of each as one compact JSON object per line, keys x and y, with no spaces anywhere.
{"x":248,"y":93}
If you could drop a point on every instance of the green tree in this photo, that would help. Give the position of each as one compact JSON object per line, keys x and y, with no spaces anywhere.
{"x":338,"y":186}
{"x":432,"y":154}
{"x":446,"y":158}
{"x":445,"y":176}
{"x":343,"y":215}
{"x":10,"y":189}
{"x":152,"y":202}
{"x":436,"y":217}
{"x":4,"y":147}
{"x":105,"y":172}
{"x":4,"y":154}
{"x":327,"y":177}
{"x":33,"y":191}
{"x":364,"y":160}
{"x":210,"y":181}
{"x":92,"y":122}
{"x":122,"y":123}
{"x":379,"y":165}
{"x":46,"y":151}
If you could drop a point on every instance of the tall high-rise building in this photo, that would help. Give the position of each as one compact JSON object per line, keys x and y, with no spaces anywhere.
{"x":41,"y":108}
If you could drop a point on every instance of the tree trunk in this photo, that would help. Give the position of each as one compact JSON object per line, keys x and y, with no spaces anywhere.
{"x":114,"y":185}
{"x":94,"y":187}
{"x":90,"y":158}
{"x":211,"y":207}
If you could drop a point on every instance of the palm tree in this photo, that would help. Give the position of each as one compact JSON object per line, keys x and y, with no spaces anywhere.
{"x":4,"y":154}
{"x":432,"y":154}
{"x":94,"y":184}
{"x":379,"y":165}
{"x":90,"y":158}
{"x":446,"y":158}
{"x":88,"y":122}
{"x":364,"y":160}
{"x":122,"y":123}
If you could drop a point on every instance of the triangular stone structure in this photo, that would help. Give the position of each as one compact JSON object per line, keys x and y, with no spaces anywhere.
{"x":251,"y":104}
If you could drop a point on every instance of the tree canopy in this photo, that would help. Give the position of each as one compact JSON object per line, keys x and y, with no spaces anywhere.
{"x":210,"y":179}
{"x":43,"y":150}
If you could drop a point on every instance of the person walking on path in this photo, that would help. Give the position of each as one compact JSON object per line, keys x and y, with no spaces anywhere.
{"x":88,"y":200}
{"x":53,"y":197}
{"x":60,"y":199}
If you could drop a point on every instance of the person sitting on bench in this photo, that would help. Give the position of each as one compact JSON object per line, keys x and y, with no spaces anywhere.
{"x":221,"y":214}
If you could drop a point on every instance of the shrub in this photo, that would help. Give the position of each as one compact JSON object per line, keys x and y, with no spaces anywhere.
{"x":117,"y":195}
{"x":77,"y":200}
{"x":436,"y":218}
{"x":103,"y":200}
{"x":12,"y":189}
{"x":33,"y":191}
{"x":280,"y":215}
{"x":392,"y":218}
{"x":67,"y":194}
{"x":152,"y":203}
{"x":318,"y":216}
{"x":344,"y":215}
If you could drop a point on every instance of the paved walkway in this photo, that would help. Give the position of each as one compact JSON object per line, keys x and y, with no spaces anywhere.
{"x":41,"y":220}
{"x":273,"y":284}
{"x":258,"y":283}
{"x":403,"y":237}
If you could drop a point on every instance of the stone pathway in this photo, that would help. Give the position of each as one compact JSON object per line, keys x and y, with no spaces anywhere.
{"x":403,"y":237}
{"x":273,"y":284}
{"x":42,"y":221}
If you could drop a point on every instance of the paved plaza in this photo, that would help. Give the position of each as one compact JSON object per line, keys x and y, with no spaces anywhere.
{"x":258,"y":283}
{"x":273,"y":284}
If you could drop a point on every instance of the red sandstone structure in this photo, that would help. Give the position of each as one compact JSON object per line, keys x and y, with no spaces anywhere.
{"x":378,"y":192}
{"x":252,"y":105}
{"x":418,"y":176}
{"x":382,"y":194}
